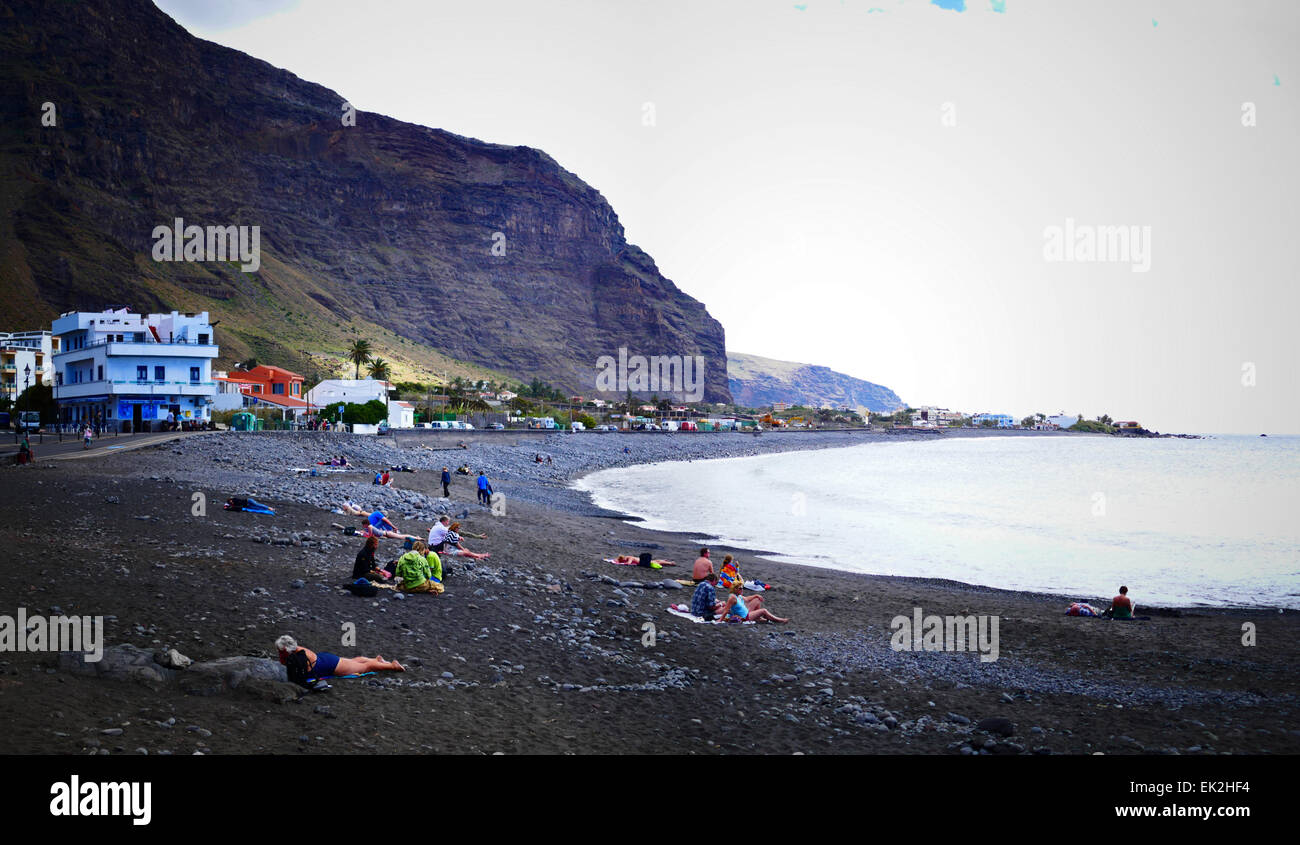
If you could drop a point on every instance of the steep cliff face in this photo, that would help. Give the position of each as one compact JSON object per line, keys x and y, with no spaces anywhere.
{"x":756,"y":382}
{"x":431,"y":245}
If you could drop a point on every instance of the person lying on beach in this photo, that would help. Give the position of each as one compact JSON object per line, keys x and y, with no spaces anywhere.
{"x":703,"y":567}
{"x":306,"y":666}
{"x":738,"y":609}
{"x":365,"y":566}
{"x":643,"y":560}
{"x":401,"y":468}
{"x":420,"y":570}
{"x":453,"y":545}
{"x":353,"y":509}
{"x":1121,"y":607}
{"x":463,"y":469}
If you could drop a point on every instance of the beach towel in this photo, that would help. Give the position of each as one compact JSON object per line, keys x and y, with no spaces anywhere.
{"x":1079,"y":608}
{"x":684,"y":611}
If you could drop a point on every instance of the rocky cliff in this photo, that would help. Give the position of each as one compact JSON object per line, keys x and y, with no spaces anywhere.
{"x":446,"y":252}
{"x":756,"y":382}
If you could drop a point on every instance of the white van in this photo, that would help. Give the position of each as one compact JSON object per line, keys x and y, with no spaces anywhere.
{"x":577,"y":426}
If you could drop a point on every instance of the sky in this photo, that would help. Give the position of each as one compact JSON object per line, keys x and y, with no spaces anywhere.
{"x":877,"y":186}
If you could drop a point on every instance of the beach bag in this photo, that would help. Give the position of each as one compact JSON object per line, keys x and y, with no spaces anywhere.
{"x":295,"y":666}
{"x":363,"y":589}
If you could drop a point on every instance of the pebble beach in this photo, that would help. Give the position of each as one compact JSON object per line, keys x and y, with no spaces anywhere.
{"x":543,"y":647}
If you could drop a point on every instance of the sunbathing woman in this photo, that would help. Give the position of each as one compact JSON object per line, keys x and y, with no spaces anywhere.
{"x":326,"y":665}
{"x":737,"y":609}
{"x":454,"y":545}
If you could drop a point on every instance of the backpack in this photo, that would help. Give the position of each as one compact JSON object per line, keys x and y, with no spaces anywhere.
{"x":295,"y":666}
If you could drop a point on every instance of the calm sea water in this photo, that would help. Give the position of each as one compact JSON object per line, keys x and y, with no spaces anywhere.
{"x":1187,"y":522}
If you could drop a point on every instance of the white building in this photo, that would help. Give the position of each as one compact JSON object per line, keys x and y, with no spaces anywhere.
{"x":119,"y":368}
{"x":931,"y":417}
{"x":1062,"y":421}
{"x":341,"y":391}
{"x":26,"y":358}
{"x":331,"y":393}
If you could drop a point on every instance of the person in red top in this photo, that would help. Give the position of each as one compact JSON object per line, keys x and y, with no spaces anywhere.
{"x":1121,"y":607}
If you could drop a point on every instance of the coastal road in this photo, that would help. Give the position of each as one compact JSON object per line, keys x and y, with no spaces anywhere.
{"x":70,"y":448}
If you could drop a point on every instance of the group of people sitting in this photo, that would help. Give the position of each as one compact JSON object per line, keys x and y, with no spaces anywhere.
{"x":335,"y":461}
{"x":737,"y":607}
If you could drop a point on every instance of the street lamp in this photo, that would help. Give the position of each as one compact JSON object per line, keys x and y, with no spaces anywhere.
{"x":27,"y":376}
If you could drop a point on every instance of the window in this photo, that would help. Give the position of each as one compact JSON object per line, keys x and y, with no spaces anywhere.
{"x":194,"y":375}
{"x":277,"y":388}
{"x":297,"y":388}
{"x":101,"y":373}
{"x":203,"y":339}
{"x":159,"y":373}
{"x":141,"y":373}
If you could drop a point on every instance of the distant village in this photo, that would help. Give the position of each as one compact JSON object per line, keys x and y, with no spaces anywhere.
{"x":127,"y":372}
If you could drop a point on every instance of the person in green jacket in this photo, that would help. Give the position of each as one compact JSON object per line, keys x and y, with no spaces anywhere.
{"x":420,"y":570}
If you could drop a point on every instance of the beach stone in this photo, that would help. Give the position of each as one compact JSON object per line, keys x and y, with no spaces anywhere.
{"x":997,"y":725}
{"x":670,"y":584}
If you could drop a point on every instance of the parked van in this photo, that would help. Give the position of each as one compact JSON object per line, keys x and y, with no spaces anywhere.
{"x":577,"y":426}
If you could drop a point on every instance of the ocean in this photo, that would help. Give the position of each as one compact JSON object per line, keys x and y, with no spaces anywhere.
{"x":1208,"y":522}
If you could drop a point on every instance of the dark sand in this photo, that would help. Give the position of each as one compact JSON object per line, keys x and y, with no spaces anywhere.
{"x":580,"y":680}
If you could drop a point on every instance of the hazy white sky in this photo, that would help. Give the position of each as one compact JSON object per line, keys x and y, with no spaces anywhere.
{"x":798,"y":176}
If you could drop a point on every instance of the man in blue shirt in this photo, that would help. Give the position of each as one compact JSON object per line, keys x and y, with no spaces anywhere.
{"x":446,"y":483}
{"x":704,"y":601}
{"x":484,"y":490}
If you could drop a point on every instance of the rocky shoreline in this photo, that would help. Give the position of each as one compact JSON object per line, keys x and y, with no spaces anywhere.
{"x":543,"y":648}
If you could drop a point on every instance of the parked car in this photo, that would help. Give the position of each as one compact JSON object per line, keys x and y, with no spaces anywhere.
{"x":28,"y":421}
{"x":497,"y":427}
{"x":383,"y":427}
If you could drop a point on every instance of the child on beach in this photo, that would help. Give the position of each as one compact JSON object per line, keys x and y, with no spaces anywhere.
{"x":86,"y":434}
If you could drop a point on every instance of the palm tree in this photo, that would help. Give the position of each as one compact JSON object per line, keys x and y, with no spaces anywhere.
{"x":379,"y":370}
{"x":358,"y":354}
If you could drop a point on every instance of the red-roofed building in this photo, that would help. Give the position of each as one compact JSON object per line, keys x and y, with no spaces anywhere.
{"x":264,"y":384}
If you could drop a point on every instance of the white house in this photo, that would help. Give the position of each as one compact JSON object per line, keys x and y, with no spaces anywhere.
{"x":26,"y":358}
{"x":1062,"y":421}
{"x":341,"y":391}
{"x":119,"y":368}
{"x":331,"y":393}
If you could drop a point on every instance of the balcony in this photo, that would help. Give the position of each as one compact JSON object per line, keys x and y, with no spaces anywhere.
{"x":133,"y":387}
{"x":150,"y":348}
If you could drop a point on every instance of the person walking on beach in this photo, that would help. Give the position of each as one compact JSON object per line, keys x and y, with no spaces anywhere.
{"x":484,"y":490}
{"x":446,"y":483}
{"x":1121,"y":607}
